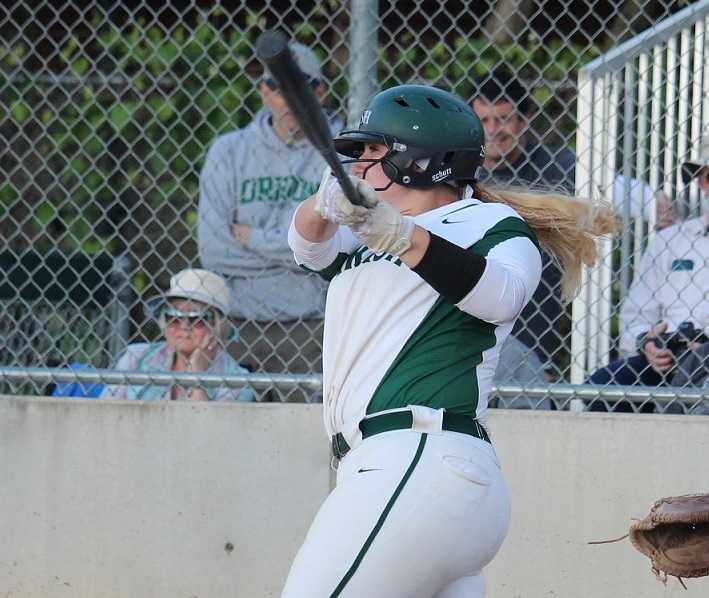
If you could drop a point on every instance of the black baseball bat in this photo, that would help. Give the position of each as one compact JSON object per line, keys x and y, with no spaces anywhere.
{"x":272,"y":49}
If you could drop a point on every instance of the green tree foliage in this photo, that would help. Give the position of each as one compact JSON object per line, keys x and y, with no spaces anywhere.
{"x":117,"y":144}
{"x":128,"y":139}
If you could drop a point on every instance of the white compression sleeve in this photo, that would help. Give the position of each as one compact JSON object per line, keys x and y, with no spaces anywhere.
{"x":319,"y":255}
{"x":511,"y":276}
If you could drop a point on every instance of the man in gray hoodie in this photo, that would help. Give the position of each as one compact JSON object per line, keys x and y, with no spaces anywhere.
{"x":252,"y":181}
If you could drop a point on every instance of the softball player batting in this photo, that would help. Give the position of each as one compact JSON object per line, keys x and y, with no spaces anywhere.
{"x":426,"y":283}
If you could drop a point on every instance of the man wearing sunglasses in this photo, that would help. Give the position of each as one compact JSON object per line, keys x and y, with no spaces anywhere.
{"x":251,"y":183}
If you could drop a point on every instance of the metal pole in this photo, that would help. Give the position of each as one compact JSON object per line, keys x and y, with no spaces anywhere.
{"x":363,"y":57}
{"x":628,"y":145}
{"x":586,"y":162}
{"x":108,"y":376}
{"x":124,"y":297}
{"x":660,"y":394}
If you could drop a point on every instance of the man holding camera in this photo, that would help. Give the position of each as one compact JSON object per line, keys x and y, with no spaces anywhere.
{"x":666,"y":311}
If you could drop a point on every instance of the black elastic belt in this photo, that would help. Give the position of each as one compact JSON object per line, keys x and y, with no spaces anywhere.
{"x":404,"y":420}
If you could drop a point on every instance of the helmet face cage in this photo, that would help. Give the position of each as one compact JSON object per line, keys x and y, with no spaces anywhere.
{"x":357,"y":149}
{"x":401,"y":167}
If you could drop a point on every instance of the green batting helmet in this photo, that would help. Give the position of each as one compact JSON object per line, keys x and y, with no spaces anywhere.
{"x":432,"y":136}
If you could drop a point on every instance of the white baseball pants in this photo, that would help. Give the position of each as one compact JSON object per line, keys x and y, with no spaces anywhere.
{"x":413,"y":515}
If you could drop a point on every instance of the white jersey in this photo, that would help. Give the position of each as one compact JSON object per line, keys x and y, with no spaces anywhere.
{"x":391,"y":340}
{"x":671,"y":284}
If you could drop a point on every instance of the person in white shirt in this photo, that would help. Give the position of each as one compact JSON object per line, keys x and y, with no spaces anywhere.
{"x":427,"y":279}
{"x":671,"y":288}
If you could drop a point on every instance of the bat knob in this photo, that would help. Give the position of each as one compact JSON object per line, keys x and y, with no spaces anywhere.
{"x":271,"y":44}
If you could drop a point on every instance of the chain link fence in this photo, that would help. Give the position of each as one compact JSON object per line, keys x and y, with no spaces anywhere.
{"x":108,"y":111}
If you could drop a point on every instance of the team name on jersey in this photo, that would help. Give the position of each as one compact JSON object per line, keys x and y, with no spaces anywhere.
{"x":276,"y":189}
{"x":364,"y":255}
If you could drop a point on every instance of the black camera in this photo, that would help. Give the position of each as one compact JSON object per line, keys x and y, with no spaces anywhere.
{"x":678,"y":340}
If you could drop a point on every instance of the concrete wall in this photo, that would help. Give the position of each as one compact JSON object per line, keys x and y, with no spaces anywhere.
{"x":140,"y":500}
{"x":577,"y":477}
{"x":117,"y":499}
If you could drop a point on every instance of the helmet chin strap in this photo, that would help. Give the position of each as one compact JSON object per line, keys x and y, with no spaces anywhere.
{"x":366,"y":170}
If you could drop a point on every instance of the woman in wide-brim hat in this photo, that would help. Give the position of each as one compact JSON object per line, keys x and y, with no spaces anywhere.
{"x":192,"y":317}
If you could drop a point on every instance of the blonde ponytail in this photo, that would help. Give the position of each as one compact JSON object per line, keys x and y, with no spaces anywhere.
{"x":566,"y":226}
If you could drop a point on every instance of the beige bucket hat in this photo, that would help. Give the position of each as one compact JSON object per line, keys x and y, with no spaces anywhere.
{"x":200,"y":285}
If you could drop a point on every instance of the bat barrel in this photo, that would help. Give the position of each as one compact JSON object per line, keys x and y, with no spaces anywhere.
{"x":272,"y":49}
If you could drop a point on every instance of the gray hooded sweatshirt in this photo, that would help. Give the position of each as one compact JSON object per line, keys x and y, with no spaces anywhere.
{"x":251,"y":176}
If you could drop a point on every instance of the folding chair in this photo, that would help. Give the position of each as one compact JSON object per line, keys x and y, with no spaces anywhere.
{"x":56,"y":309}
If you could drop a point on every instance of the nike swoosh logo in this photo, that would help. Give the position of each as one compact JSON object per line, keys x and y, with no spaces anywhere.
{"x":366,"y":470}
{"x":446,"y":221}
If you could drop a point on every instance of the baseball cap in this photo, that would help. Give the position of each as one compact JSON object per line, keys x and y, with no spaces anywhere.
{"x":306,"y":60}
{"x":200,"y":285}
{"x":692,"y":169}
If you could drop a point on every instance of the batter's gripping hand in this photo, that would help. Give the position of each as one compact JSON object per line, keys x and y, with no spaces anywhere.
{"x":383,"y":229}
{"x":332,"y":205}
{"x":379,"y":226}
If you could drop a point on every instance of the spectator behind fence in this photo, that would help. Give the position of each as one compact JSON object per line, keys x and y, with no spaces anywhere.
{"x":519,"y":366}
{"x":192,"y":316}
{"x":666,"y":311}
{"x":641,"y":198}
{"x":511,"y":157}
{"x":504,"y":106}
{"x":251,"y":183}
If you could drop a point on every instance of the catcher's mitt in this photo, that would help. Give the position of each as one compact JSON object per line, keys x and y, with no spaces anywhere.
{"x":675,"y":536}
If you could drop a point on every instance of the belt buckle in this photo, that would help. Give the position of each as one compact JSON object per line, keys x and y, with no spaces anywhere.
{"x":339,"y":446}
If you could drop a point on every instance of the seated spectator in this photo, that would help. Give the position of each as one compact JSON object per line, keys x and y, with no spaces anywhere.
{"x":665,"y":316}
{"x":515,"y":156}
{"x":192,"y":316}
{"x":77,"y":389}
{"x":641,"y":197}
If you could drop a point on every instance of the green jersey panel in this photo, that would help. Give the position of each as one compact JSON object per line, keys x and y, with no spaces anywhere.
{"x":437,"y":365}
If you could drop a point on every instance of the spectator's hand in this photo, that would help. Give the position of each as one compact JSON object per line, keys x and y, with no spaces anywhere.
{"x":666,"y":211}
{"x":204,"y":354}
{"x":242,"y":233}
{"x":661,"y":360}
{"x":199,"y":361}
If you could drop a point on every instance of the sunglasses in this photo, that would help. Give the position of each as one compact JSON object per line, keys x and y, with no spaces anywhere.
{"x":273,"y":85}
{"x":195,"y":319}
